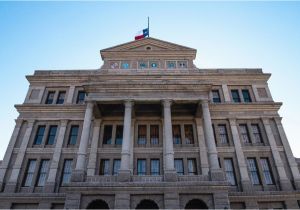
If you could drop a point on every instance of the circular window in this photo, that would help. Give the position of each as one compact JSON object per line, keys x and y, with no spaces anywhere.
{"x":148,"y":48}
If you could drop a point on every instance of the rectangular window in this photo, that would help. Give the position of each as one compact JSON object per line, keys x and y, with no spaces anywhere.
{"x":246,"y":96}
{"x":192,"y":167}
{"x":29,"y":173}
{"x":50,"y":97}
{"x":244,"y":133}
{"x":153,"y":64}
{"x":51,"y":134}
{"x":119,"y":134}
{"x":223,"y":134}
{"x":256,"y":133}
{"x":171,"y":64}
{"x":154,"y":134}
{"x":189,"y":134}
{"x":141,"y":167}
{"x":107,"y":136}
{"x":67,"y":171}
{"x":116,"y":166}
{"x":143,"y":64}
{"x":61,"y":97}
{"x":266,"y":170}
{"x":229,"y":171}
{"x":142,"y":134}
{"x":252,"y":167}
{"x":179,"y":166}
{"x":182,"y":64}
{"x":104,"y":167}
{"x":73,"y":134}
{"x":235,"y":96}
{"x":43,"y":173}
{"x":39,"y":135}
{"x":176,"y":134}
{"x":80,"y":97}
{"x":216,"y":96}
{"x":155,"y":166}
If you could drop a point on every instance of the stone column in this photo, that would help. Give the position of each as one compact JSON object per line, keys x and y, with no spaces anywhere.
{"x":170,"y":172}
{"x":91,"y":168}
{"x":124,"y":172}
{"x":226,"y":93}
{"x":288,"y":151}
{"x":132,"y":146}
{"x":9,"y":151}
{"x":215,"y":171}
{"x":50,"y":184}
{"x":245,"y":180}
{"x":79,"y":173}
{"x":283,"y":179}
{"x":70,"y":94}
{"x":202,"y":147}
{"x":13,"y":179}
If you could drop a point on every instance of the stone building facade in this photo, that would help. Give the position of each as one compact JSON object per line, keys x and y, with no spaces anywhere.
{"x":149,"y":129}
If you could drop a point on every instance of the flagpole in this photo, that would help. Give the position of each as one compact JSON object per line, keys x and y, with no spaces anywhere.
{"x":148,"y":28}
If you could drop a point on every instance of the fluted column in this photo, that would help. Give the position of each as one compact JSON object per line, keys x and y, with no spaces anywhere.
{"x":124,"y":172}
{"x":202,"y":147}
{"x":9,"y":151}
{"x":290,"y":157}
{"x":79,"y":172}
{"x":50,"y":184}
{"x":12,"y":183}
{"x":283,"y":179}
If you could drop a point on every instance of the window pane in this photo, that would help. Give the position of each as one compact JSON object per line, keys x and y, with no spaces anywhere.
{"x":80,"y":97}
{"x":61,"y":97}
{"x":154,"y":134}
{"x":143,"y":64}
{"x":171,"y":64}
{"x":107,"y":137}
{"x":142,"y":134}
{"x":266,"y":170}
{"x":223,"y":134}
{"x":43,"y":173}
{"x":73,"y":134}
{"x":192,"y":167}
{"x":155,"y":167}
{"x":253,"y":171}
{"x":50,"y":97}
{"x":39,"y":135}
{"x":256,"y":133}
{"x":229,"y":171}
{"x":141,"y":167}
{"x":29,"y":173}
{"x":67,"y":171}
{"x":119,"y":134}
{"x":235,"y":96}
{"x":51,"y":134}
{"x":117,"y":164}
{"x":153,"y":64}
{"x":104,"y":167}
{"x":179,"y":166}
{"x":176,"y":134}
{"x":216,"y":96}
{"x":189,"y":135}
{"x":125,"y":65}
{"x":246,"y":96}
{"x":182,"y":64}
{"x":244,"y":133}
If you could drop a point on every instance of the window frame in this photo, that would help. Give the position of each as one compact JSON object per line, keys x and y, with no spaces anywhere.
{"x":50,"y":135}
{"x":236,"y":99}
{"x":267,"y":171}
{"x":152,"y":172}
{"x":143,"y":163}
{"x":116,"y":162}
{"x":78,"y":99}
{"x":65,"y":172}
{"x":253,"y":171}
{"x":60,"y":100}
{"x":43,"y":170}
{"x":214,"y":99}
{"x":180,"y":173}
{"x":30,"y":170}
{"x":194,"y":163}
{"x":104,"y":167}
{"x":230,"y":172}
{"x":50,"y":101}
{"x":247,"y":99}
{"x":70,"y":142}
{"x":38,"y":135}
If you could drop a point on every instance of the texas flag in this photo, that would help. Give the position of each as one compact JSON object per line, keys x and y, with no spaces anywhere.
{"x":142,"y":34}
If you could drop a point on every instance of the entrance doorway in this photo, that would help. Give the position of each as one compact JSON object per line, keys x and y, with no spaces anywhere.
{"x":196,"y":204}
{"x":98,"y":204}
{"x":147,"y":204}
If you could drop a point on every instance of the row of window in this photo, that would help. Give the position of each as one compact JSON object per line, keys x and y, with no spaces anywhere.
{"x":149,"y":64}
{"x":235,"y":94}
{"x":60,"y":99}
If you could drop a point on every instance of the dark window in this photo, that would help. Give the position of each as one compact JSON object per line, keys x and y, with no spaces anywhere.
{"x":39,"y":135}
{"x":51,"y":134}
{"x":176,"y":134}
{"x":256,"y":133}
{"x":80,"y":97}
{"x":192,"y":167}
{"x":235,"y":96}
{"x":29,"y":173}
{"x":214,"y":130}
{"x":189,"y":134}
{"x":179,"y":166}
{"x":107,"y":137}
{"x":50,"y":97}
{"x":252,"y":167}
{"x":154,"y":134}
{"x":216,"y":96}
{"x":182,"y":64}
{"x":171,"y":64}
{"x":142,"y":134}
{"x":104,"y":167}
{"x":223,"y":134}
{"x":119,"y":134}
{"x":43,"y":173}
{"x":73,"y":134}
{"x":246,"y":96}
{"x":244,"y":133}
{"x":61,"y":97}
{"x":155,"y":166}
{"x":67,"y":171}
{"x":266,"y":171}
{"x":116,"y":166}
{"x":229,"y":171}
{"x":141,"y":167}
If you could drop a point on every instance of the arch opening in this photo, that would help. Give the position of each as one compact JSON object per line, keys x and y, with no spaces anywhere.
{"x":98,"y":204}
{"x":195,"y":204}
{"x":147,"y":204}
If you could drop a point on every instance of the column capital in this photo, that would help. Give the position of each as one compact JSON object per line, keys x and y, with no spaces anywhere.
{"x":97,"y":122}
{"x":204,"y":103}
{"x":64,"y":123}
{"x":90,"y":104}
{"x":167,"y":102}
{"x":278,"y":120}
{"x":19,"y":122}
{"x":232,"y":121}
{"x":128,"y":103}
{"x":30,"y":122}
{"x":265,"y":121}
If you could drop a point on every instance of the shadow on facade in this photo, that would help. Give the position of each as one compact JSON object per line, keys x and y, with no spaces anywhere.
{"x":147,"y":204}
{"x":98,"y":204}
{"x":195,"y":204}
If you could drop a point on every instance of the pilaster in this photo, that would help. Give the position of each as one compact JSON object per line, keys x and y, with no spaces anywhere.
{"x":226,"y":93}
{"x":202,"y":147}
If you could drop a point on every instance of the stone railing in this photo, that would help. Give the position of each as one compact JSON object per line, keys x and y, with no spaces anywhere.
{"x":102,"y":179}
{"x":147,"y":178}
{"x":193,"y":178}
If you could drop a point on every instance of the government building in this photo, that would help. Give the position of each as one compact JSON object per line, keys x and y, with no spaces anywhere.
{"x":149,"y":130}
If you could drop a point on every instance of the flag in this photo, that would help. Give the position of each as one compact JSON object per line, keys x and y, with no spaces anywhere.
{"x":142,"y":34}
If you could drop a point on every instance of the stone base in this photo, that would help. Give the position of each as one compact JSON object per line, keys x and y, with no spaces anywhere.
{"x":286,"y":185}
{"x":170,"y":176}
{"x":124,"y":176}
{"x":10,"y":187}
{"x":247,"y":186}
{"x":49,"y":187}
{"x":217,"y":175}
{"x":78,"y":176}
